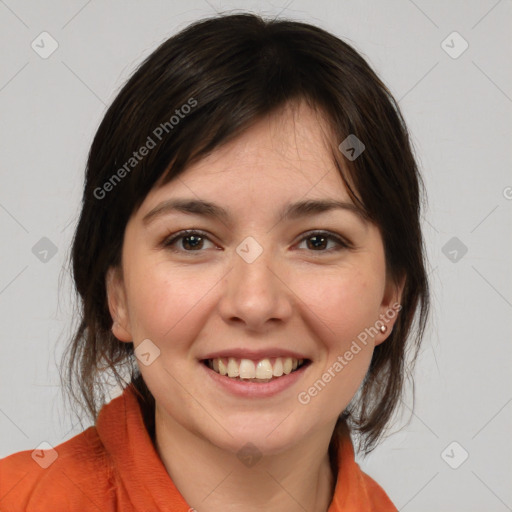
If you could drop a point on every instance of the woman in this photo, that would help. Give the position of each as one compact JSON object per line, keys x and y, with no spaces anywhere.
{"x":249,"y":261}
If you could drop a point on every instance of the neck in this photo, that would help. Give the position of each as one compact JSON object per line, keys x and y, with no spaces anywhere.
{"x":212,"y":479}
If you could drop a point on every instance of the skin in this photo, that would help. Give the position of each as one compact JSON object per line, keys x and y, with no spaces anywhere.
{"x":189,"y":302}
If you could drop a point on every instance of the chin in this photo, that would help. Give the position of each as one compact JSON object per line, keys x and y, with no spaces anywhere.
{"x":265,"y":436}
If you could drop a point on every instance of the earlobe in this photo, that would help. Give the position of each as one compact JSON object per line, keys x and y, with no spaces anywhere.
{"x":390,"y":308}
{"x":384,"y":327}
{"x":116,"y":298}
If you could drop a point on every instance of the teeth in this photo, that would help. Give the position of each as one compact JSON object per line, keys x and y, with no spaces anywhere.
{"x":222,"y":367}
{"x":233,"y":369}
{"x":287,"y":365}
{"x":278,"y":367}
{"x":263,"y":369}
{"x":247,"y":369}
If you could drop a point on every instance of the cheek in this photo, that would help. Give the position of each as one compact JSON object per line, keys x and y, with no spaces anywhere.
{"x":164,"y":301}
{"x":344,"y":304}
{"x":339,"y":314}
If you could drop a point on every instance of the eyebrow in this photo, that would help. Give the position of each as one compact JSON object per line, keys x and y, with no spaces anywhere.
{"x":212,"y":210}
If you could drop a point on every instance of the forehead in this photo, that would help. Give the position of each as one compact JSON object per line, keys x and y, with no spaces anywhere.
{"x":287,"y":155}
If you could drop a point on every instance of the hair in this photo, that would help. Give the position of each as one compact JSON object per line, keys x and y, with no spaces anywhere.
{"x":231,"y":71}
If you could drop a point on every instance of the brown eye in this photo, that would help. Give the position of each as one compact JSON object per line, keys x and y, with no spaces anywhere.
{"x":191,"y":241}
{"x":317,"y":241}
{"x":194,"y":241}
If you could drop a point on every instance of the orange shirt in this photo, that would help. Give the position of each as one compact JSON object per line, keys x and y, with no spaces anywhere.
{"x":114,"y":466}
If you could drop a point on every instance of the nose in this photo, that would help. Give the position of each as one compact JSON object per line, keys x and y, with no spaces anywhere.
{"x":256,"y":293}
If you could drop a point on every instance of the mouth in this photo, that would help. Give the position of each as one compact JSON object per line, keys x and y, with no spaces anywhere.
{"x":258,"y":371}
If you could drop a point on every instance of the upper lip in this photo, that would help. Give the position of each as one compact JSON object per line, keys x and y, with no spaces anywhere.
{"x":244,"y":353}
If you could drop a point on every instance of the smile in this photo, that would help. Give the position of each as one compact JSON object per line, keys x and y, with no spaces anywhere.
{"x":261,"y":370}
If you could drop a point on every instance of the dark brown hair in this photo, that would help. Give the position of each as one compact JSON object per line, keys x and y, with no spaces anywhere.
{"x":232,"y":71}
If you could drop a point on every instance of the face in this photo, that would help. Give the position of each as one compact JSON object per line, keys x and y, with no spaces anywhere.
{"x":254,"y":285}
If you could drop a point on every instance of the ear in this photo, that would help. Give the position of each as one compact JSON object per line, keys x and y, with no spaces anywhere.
{"x":117,"y":304}
{"x":390,"y":307}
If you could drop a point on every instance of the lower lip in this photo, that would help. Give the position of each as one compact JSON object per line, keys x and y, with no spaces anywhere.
{"x":248,"y":389}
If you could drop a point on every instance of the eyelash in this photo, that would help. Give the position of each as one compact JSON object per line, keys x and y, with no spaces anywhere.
{"x":170,"y":241}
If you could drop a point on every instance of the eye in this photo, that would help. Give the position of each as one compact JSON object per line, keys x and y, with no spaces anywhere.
{"x":321,"y":238}
{"x":192,"y":241}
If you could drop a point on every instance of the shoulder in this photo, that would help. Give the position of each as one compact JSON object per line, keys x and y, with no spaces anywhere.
{"x":75,"y":475}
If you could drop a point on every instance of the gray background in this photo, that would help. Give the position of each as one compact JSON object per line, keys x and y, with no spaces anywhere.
{"x":459,"y":112}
